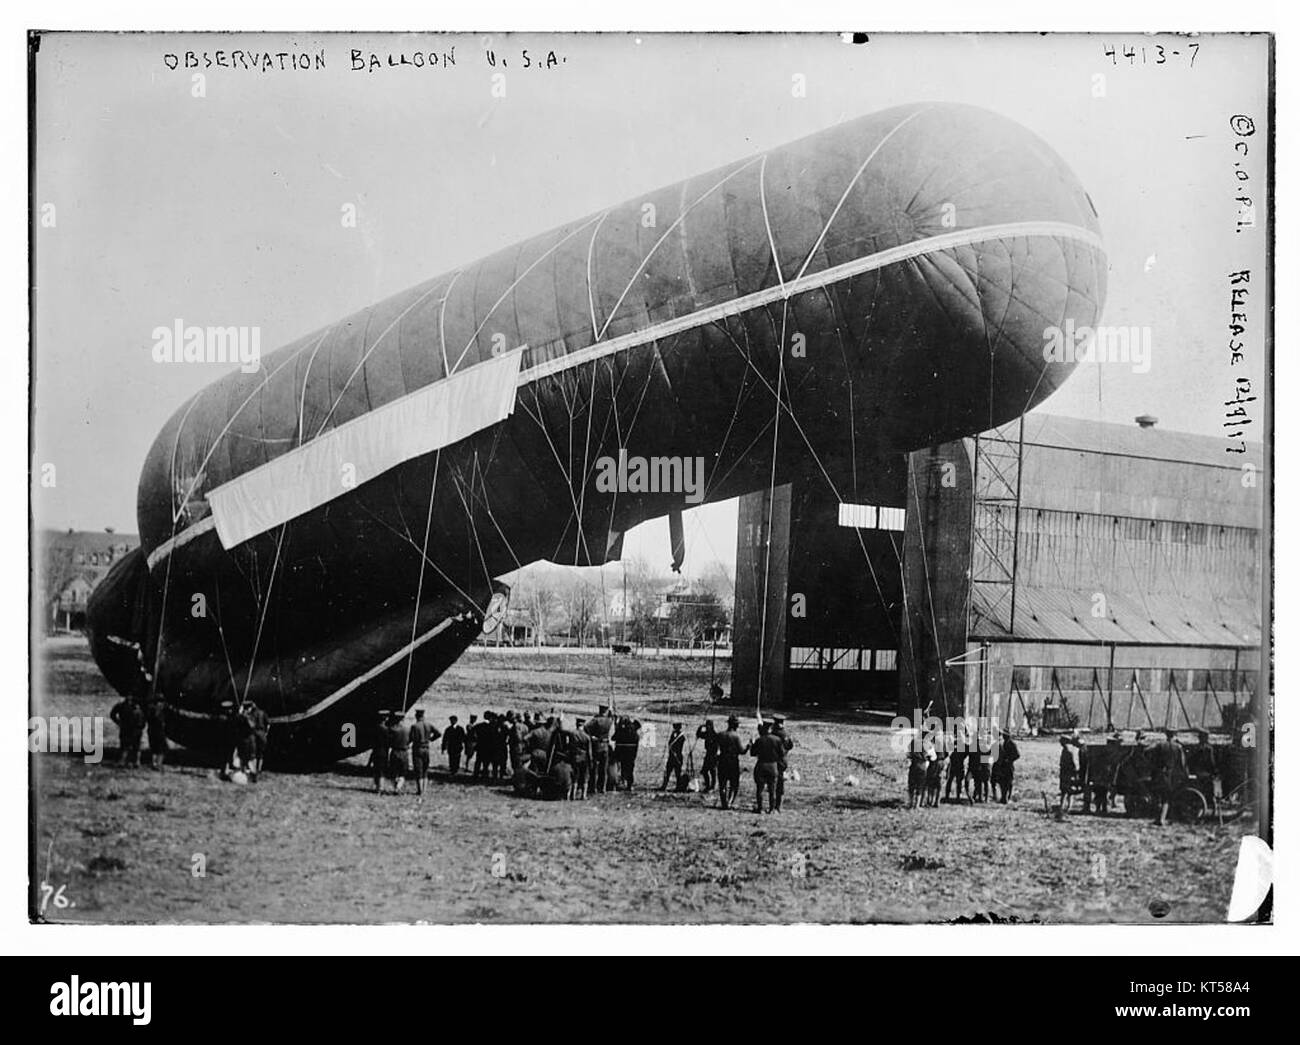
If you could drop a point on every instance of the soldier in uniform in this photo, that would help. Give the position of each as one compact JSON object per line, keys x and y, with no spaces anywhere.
{"x":1004,"y":767}
{"x":768,"y":751}
{"x":916,"y":770}
{"x":260,"y":723}
{"x":246,"y":743}
{"x":514,"y":743}
{"x":600,"y":729}
{"x":421,"y":735}
{"x":957,"y":765}
{"x":1069,"y":771}
{"x":379,"y":751}
{"x":399,"y":752}
{"x":581,"y":759}
{"x":129,"y":717}
{"x":537,"y":745}
{"x":471,"y":740}
{"x":500,"y":745}
{"x":778,"y":730}
{"x":553,"y":784}
{"x":980,"y":765}
{"x":480,"y":741}
{"x":156,"y":724}
{"x":1170,"y":764}
{"x":561,"y":754}
{"x":675,"y":766}
{"x":709,"y":771}
{"x":627,"y":742}
{"x":730,"y":748}
{"x":232,"y":731}
{"x":453,"y":742}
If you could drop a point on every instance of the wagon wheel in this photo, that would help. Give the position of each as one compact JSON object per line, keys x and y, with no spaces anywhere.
{"x":1189,"y":805}
{"x":1237,"y":802}
{"x":1137,"y":803}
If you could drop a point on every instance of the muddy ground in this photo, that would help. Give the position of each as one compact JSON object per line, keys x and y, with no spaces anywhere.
{"x":115,"y":845}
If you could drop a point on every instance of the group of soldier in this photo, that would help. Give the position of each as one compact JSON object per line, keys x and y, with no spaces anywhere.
{"x":548,"y":757}
{"x":1168,"y":769}
{"x":137,"y":717}
{"x":400,"y":751}
{"x":249,"y":729}
{"x":722,"y":754}
{"x":974,"y":762}
{"x":541,"y":754}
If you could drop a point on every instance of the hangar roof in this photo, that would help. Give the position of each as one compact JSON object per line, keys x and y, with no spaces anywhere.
{"x":1131,"y":440}
{"x":1099,"y":468}
{"x":1066,"y":615}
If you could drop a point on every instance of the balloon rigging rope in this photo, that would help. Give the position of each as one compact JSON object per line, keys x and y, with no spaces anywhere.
{"x":771,"y":504}
{"x":265,"y":605}
{"x":929,"y":588}
{"x":419,"y":584}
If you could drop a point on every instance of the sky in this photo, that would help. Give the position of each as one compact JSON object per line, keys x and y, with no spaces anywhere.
{"x":222,"y":206}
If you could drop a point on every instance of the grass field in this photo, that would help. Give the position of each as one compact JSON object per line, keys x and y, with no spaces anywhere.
{"x":117,"y":845}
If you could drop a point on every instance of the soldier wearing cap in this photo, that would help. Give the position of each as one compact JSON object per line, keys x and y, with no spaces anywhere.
{"x":453,"y":743}
{"x":709,"y":771}
{"x":260,"y":722}
{"x":581,"y":747}
{"x":768,"y":750}
{"x":1170,"y":763}
{"x":421,"y":735}
{"x":627,"y":742}
{"x":155,"y":713}
{"x":471,"y":740}
{"x":481,"y":736}
{"x":514,"y":742}
{"x":399,"y":751}
{"x":128,"y":714}
{"x":778,"y":731}
{"x":1068,"y":767}
{"x":600,"y":728}
{"x":537,"y":747}
{"x":730,"y":748}
{"x":1004,"y":768}
{"x":246,"y":745}
{"x":676,"y":758}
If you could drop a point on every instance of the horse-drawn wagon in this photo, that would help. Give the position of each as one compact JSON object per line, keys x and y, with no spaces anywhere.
{"x":1218,"y":780}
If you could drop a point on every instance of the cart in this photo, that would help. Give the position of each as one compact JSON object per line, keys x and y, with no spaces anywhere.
{"x":1219,"y":781}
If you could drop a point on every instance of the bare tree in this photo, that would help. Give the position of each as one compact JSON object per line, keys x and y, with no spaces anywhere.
{"x":642,"y":603}
{"x":57,"y":571}
{"x":542,"y":607}
{"x":583,"y":608}
{"x":701,"y":614}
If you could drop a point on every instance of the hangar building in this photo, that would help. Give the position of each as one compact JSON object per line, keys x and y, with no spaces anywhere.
{"x":1056,"y":572}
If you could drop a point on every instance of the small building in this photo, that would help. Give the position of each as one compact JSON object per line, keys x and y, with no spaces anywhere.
{"x":72,"y":563}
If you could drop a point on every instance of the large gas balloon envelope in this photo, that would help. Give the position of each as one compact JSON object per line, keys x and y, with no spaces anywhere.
{"x":345,"y":515}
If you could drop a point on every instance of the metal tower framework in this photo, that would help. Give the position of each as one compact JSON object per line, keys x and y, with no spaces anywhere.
{"x":995,"y":530}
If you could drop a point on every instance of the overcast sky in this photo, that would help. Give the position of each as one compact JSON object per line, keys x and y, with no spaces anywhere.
{"x":225,"y":209}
